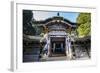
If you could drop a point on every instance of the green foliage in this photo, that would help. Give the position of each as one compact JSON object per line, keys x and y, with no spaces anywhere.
{"x":84,"y":18}
{"x":38,"y":30}
{"x":27,"y":16}
{"x":27,"y":25}
{"x":84,"y":24}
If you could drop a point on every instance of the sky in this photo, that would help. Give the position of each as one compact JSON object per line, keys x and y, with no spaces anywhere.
{"x":42,"y":15}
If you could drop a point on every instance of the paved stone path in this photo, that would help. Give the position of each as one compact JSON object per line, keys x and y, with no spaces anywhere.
{"x":62,"y":58}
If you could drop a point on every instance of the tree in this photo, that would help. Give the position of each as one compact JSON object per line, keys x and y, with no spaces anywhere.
{"x":84,"y":24}
{"x":27,"y":22}
{"x":27,"y":16}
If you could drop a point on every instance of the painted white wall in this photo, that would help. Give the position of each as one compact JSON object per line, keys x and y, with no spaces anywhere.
{"x":5,"y":35}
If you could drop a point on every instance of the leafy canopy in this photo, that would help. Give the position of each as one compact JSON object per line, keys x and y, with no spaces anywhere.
{"x":84,"y":24}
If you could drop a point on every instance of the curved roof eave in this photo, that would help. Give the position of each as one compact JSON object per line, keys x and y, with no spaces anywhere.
{"x":44,"y":22}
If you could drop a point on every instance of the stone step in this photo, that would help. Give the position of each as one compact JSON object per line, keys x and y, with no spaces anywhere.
{"x":57,"y":55}
{"x":54,"y":58}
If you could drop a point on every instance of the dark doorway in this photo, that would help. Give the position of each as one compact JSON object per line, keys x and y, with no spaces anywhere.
{"x":58,"y":45}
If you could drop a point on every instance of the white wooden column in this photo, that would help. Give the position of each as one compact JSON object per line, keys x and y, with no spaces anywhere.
{"x":69,"y":49}
{"x":66,"y":46}
{"x":62,"y":45}
{"x":54,"y":47}
{"x":49,"y":50}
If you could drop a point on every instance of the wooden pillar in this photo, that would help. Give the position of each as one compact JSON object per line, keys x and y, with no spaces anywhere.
{"x":66,"y":46}
{"x":61,"y":45}
{"x":54,"y":47}
{"x":49,"y":48}
{"x":69,"y":49}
